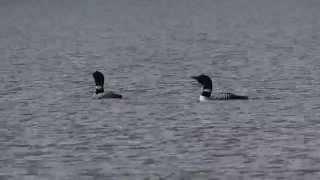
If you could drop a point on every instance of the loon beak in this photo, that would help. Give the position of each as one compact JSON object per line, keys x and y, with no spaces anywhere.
{"x":194,"y":77}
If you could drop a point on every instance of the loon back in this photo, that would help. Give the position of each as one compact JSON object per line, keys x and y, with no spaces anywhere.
{"x":227,"y":96}
{"x":108,"y":95}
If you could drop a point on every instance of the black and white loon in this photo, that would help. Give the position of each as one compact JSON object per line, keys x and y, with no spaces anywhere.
{"x":206,"y":83}
{"x":100,"y":93}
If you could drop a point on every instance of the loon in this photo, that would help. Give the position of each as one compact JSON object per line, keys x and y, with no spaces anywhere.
{"x":100,"y":93}
{"x":206,"y":83}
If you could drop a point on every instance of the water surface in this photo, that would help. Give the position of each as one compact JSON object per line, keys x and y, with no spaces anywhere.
{"x":51,"y":128}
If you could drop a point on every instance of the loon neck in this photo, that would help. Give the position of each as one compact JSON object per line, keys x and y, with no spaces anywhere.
{"x":99,"y":89}
{"x":206,"y":92}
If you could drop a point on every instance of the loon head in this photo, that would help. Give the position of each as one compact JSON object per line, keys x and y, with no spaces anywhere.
{"x":99,"y":81}
{"x":206,"y":83}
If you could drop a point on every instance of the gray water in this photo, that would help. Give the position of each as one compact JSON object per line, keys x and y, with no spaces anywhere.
{"x":51,"y":128}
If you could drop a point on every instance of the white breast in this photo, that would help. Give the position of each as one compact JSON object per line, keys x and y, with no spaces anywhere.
{"x":203,"y":98}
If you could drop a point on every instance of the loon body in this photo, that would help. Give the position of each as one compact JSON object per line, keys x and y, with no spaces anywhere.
{"x":100,"y":93}
{"x":206,"y":83}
